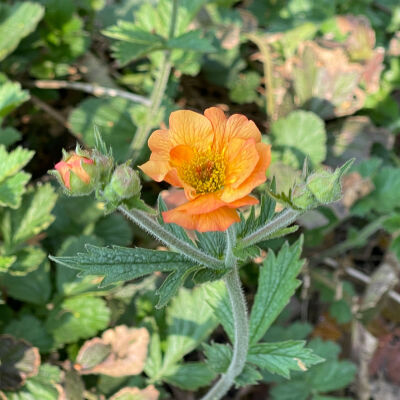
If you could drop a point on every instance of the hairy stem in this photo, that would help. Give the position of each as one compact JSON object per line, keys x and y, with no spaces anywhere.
{"x":282,"y":220}
{"x":150,"y":225}
{"x":160,"y":85}
{"x":241,"y":324}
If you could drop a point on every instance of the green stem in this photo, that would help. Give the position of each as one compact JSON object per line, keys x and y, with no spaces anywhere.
{"x":150,"y":225}
{"x":282,"y":220}
{"x":241,"y":324}
{"x":142,"y":133}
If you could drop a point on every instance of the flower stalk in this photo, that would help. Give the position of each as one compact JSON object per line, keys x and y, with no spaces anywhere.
{"x":240,"y":321}
{"x":150,"y":225}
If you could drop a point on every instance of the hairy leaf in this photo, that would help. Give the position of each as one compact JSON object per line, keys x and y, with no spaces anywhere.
{"x":121,"y":263}
{"x":190,"y":376}
{"x":277,"y":283}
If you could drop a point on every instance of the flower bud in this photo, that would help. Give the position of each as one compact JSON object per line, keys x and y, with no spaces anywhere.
{"x":124,"y":184}
{"x":77,"y":172}
{"x":321,"y":187}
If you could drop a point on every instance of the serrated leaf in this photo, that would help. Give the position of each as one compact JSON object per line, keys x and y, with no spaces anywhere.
{"x":192,"y":41}
{"x":190,"y":375}
{"x":218,"y":359}
{"x":12,"y":162}
{"x":11,"y":96}
{"x":301,"y":134}
{"x":218,"y":299}
{"x":30,"y":328}
{"x":32,"y":217}
{"x":132,"y":42}
{"x":77,"y":318}
{"x":12,"y":189}
{"x":20,"y":19}
{"x":112,"y":116}
{"x":213,"y":243}
{"x":277,"y":283}
{"x":190,"y":320}
{"x":172,"y":283}
{"x":114,"y":229}
{"x":121,"y":264}
{"x":283,"y":357}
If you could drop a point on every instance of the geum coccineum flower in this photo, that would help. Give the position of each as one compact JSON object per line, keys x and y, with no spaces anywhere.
{"x":217,"y":161}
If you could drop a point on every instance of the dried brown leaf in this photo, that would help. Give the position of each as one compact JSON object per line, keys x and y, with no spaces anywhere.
{"x":133,"y":393}
{"x":120,"y":351}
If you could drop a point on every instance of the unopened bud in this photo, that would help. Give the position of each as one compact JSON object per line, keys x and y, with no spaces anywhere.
{"x":124,"y":184}
{"x":77,"y":172}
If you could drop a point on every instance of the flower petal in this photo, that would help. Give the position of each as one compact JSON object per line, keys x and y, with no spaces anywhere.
{"x":217,"y":220}
{"x":64,"y":169}
{"x":218,"y":122}
{"x":160,"y":144}
{"x":257,"y":177}
{"x":190,"y":128}
{"x":244,"y":201}
{"x":241,"y":158}
{"x":156,"y":169}
{"x":204,"y":203}
{"x":238,"y":126}
{"x":181,"y":155}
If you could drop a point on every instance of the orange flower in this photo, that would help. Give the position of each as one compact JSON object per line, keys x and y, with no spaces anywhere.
{"x":217,"y":161}
{"x":73,"y":164}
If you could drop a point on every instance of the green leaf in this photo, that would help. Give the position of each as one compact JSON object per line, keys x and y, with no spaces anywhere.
{"x":42,"y":386}
{"x":33,"y":216}
{"x":172,"y":283}
{"x":121,"y":264}
{"x":30,"y":328}
{"x":68,"y":284}
{"x":12,"y":162}
{"x":190,"y":320}
{"x":27,"y":260}
{"x":295,"y":331}
{"x":77,"y":318}
{"x":114,"y":229}
{"x":132,"y":42}
{"x":283,"y":357}
{"x":218,"y":299}
{"x":189,"y":376}
{"x":213,"y":243}
{"x":9,"y":136}
{"x":218,"y":359}
{"x":11,"y":96}
{"x":12,"y":189}
{"x":292,"y":390}
{"x":297,"y":136}
{"x":244,"y":88}
{"x":277,"y":283}
{"x":192,"y":41}
{"x":16,"y":22}
{"x":34,"y":287}
{"x":218,"y":356}
{"x":332,"y":375}
{"x":111,"y":116}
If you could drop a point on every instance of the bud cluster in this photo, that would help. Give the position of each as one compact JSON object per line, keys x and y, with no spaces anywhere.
{"x":82,"y":172}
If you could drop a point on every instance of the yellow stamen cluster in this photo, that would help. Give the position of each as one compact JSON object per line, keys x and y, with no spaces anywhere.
{"x":205,"y":173}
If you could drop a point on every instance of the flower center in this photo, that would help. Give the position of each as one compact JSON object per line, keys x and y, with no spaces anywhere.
{"x":205,"y":173}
